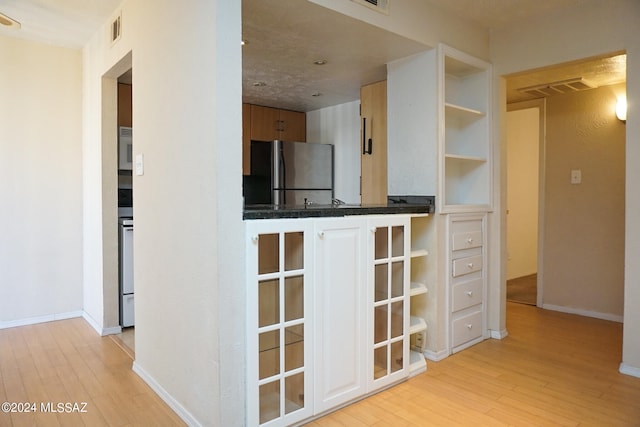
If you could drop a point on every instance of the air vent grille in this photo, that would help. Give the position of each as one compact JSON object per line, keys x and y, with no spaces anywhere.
{"x":554,"y":88}
{"x":381,"y":6}
{"x":116,"y":29}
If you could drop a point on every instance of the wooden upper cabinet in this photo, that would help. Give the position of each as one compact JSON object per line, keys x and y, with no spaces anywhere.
{"x":125,"y":105}
{"x":268,"y":124}
{"x":293,"y":126}
{"x":373,"y":143}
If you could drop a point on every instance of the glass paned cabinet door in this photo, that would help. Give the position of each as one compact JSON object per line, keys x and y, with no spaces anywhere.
{"x":390,"y":288}
{"x":278,"y":327}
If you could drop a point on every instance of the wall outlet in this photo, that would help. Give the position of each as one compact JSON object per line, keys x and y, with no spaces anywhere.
{"x":576,"y":176}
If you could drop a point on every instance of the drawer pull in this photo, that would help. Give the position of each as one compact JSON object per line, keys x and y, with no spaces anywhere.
{"x":469,"y":326}
{"x":321,"y":234}
{"x":470,"y":265}
{"x":373,"y":229}
{"x":470,"y":240}
{"x":255,"y":239}
{"x":470,"y":293}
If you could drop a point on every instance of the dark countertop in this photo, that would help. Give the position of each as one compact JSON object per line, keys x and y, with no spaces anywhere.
{"x":395,"y":205}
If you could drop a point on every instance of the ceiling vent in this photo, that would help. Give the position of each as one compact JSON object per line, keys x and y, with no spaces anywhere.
{"x":381,"y":6}
{"x":554,"y":88}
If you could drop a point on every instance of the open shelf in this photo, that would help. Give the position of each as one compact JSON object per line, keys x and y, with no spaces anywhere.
{"x":417,"y":324}
{"x":419,"y":253}
{"x":418,"y":288}
{"x":418,"y":363}
{"x":466,"y":158}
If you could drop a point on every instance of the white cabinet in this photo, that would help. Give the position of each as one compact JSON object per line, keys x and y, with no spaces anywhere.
{"x":328,"y":304}
{"x":279,"y":322}
{"x":464,"y":134}
{"x":467,"y":279}
{"x":340,"y":307}
{"x":388,"y":283}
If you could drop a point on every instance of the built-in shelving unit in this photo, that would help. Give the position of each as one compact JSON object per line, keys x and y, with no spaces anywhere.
{"x":418,"y":289}
{"x":465,"y":144}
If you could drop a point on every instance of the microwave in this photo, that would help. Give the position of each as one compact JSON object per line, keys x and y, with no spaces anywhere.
{"x":125,"y":148}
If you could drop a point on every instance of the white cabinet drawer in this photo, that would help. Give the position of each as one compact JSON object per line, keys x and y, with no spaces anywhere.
{"x":466,"y":240}
{"x":467,"y":265}
{"x":466,"y":328}
{"x":466,"y":294}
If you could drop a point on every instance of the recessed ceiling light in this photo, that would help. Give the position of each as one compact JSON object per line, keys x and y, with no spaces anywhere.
{"x":316,"y":94}
{"x":320,"y":62}
{"x":9,"y":22}
{"x":259,"y":84}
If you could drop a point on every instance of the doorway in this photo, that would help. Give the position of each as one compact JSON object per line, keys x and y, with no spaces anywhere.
{"x":525,"y":159}
{"x":580,"y":252}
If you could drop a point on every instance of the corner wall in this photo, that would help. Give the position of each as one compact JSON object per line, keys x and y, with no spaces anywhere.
{"x":40,"y":182}
{"x":583,"y":242}
{"x":597,"y":28}
{"x":189,"y":235}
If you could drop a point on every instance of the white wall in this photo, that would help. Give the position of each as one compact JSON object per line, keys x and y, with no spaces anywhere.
{"x":40,"y":182}
{"x":412,"y":131}
{"x":340,"y":125}
{"x":421,"y":21}
{"x":597,"y":28}
{"x":583,"y":248}
{"x":522,"y":192}
{"x":189,"y":235}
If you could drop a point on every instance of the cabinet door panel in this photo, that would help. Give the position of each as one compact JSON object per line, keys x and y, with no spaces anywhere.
{"x":293,"y":126}
{"x":466,"y":328}
{"x":466,"y":294}
{"x":340,"y":313}
{"x":467,"y":265}
{"x":264,"y":123}
{"x":373,"y":141}
{"x":466,"y":240}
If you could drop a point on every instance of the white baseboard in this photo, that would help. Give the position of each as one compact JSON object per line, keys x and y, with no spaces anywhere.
{"x":436,"y":356}
{"x":40,"y":319}
{"x":166,"y":397}
{"x":629,"y":370}
{"x":586,"y":313}
{"x":498,"y":335}
{"x":99,"y":329}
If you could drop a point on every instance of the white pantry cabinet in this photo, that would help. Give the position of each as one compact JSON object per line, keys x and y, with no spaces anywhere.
{"x":328,"y":305}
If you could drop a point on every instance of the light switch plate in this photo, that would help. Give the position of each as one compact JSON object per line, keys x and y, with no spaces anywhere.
{"x":139,"y":164}
{"x":576,"y":176}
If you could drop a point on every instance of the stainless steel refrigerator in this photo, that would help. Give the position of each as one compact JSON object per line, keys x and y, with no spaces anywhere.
{"x":290,"y":173}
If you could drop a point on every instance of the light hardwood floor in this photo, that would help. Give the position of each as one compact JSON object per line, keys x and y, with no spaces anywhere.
{"x":553,"y":369}
{"x":67,"y":362}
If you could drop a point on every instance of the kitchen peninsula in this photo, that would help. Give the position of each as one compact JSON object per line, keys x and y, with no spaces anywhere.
{"x":335,"y":301}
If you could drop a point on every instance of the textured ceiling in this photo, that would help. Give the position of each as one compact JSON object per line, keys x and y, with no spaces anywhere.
{"x":286,"y":36}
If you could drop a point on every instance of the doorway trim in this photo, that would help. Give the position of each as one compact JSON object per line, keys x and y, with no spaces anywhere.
{"x":540,"y":104}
